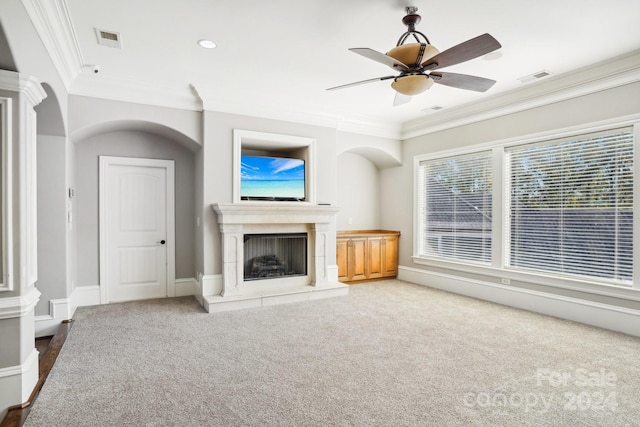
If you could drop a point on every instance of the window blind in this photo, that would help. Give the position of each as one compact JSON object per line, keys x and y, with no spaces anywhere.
{"x":456,"y":207}
{"x":571,"y":206}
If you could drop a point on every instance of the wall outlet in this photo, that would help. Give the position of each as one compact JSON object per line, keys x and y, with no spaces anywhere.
{"x":350,"y":220}
{"x":506,"y":281}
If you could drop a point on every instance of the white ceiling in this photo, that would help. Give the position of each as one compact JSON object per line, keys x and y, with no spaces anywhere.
{"x":278,"y":57}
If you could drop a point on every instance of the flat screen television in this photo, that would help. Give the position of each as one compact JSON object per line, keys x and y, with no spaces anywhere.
{"x":272,"y":178}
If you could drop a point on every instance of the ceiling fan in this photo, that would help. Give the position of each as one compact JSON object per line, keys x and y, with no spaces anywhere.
{"x":416,"y":62}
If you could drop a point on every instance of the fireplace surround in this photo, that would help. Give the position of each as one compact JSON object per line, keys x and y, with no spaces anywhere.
{"x":238,"y":220}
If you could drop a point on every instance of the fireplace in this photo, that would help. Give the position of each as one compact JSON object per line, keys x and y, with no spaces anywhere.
{"x":268,"y":256}
{"x":274,"y":253}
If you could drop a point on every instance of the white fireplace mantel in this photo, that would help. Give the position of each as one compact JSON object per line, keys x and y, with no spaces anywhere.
{"x":238,"y":219}
{"x":274,"y":213}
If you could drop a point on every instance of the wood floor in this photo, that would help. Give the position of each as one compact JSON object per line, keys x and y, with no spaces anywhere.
{"x":49,"y":348}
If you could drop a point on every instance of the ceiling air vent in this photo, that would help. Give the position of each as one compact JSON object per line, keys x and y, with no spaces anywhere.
{"x":433,"y":108}
{"x":109,"y":38}
{"x":534,"y":76}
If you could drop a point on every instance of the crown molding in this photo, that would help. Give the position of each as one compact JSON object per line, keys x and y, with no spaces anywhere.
{"x":602,"y":76}
{"x":195,"y":98}
{"x":52,"y":21}
{"x":137,"y":92}
{"x":212,"y":101}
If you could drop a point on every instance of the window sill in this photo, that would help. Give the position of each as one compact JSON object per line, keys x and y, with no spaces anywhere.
{"x":510,"y":277}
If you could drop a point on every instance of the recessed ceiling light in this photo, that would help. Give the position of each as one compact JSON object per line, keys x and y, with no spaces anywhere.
{"x":207,"y":44}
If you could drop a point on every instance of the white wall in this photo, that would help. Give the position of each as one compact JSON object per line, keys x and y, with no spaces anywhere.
{"x":358,"y":193}
{"x":131,"y":144}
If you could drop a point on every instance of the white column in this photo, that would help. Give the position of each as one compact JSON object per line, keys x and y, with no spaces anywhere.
{"x":19,"y":94}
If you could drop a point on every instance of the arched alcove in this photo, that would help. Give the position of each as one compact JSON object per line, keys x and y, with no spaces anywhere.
{"x":358,"y":192}
{"x":133,"y":139}
{"x":382,"y":152}
{"x":49,"y":115}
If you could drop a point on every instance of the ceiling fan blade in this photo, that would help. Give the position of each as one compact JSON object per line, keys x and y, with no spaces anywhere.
{"x":361,"y":82}
{"x":462,"y":81}
{"x":401,"y":99}
{"x":465,"y":51}
{"x":380,"y":57}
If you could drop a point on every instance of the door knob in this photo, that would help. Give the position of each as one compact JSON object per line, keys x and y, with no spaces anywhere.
{"x":162,"y":242}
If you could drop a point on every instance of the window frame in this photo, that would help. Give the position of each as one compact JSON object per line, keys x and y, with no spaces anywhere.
{"x":498,"y":271}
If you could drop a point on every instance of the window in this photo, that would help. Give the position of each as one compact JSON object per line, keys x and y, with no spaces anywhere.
{"x":561,"y":213}
{"x":571,"y":206}
{"x":455,"y":207}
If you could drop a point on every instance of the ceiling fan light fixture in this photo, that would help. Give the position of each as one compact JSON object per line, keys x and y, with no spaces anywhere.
{"x":412,"y":84}
{"x":413,"y":53}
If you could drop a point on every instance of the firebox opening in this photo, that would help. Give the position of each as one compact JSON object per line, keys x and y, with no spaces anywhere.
{"x":268,"y":256}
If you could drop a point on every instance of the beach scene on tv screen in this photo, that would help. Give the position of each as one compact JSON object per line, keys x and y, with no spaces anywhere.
{"x":272,"y":177}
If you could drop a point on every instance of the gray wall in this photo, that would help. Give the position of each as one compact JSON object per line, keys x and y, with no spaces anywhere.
{"x":140,"y":145}
{"x":397,"y":183}
{"x":217,"y":168}
{"x":358,"y":193}
{"x":72,"y":244}
{"x":52,"y":220}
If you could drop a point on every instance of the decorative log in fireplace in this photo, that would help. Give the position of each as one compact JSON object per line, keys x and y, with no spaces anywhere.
{"x":267,"y":266}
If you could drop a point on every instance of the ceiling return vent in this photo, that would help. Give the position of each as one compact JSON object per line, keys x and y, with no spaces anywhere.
{"x":534,"y":76}
{"x":109,"y":38}
{"x":433,"y":108}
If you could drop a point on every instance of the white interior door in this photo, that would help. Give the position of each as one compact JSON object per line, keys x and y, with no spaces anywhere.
{"x":136,"y":226}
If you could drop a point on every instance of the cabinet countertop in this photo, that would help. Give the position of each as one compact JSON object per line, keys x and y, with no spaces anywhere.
{"x":348,"y":233}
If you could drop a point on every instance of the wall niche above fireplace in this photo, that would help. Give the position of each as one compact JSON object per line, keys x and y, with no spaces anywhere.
{"x":281,"y":148}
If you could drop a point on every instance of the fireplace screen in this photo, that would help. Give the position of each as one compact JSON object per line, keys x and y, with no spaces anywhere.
{"x":268,"y":256}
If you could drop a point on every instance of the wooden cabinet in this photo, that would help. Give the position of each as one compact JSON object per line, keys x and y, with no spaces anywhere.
{"x":366,"y":254}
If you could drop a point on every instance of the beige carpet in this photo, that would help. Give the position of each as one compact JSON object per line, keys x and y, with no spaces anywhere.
{"x":389,"y":354}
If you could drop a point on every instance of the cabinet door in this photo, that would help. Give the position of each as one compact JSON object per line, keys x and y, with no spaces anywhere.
{"x":357,"y":259}
{"x":390,"y":256}
{"x":342,"y":258}
{"x":375,"y":247}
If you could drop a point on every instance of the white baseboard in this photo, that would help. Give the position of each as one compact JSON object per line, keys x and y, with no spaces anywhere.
{"x":59,"y":309}
{"x":210,"y":284}
{"x":592,"y":313}
{"x":17,"y":382}
{"x":85,"y":295}
{"x":186,"y":287}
